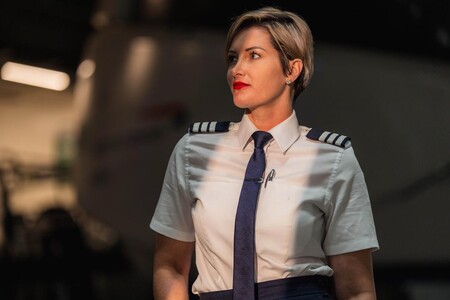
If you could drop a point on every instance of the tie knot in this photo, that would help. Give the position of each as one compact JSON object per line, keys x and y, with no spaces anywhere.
{"x":261,"y":138}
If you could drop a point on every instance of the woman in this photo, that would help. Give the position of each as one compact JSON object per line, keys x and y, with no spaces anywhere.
{"x":312,"y":233}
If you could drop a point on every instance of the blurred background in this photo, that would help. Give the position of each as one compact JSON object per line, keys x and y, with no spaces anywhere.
{"x":95,"y":94}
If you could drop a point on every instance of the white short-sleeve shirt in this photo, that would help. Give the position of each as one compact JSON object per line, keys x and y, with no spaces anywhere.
{"x":315,"y":205}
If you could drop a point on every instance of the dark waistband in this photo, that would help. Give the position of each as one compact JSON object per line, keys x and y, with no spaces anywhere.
{"x":282,"y":288}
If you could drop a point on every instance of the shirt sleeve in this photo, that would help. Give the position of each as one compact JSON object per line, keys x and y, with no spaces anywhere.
{"x":172,"y":215}
{"x":349,"y":220}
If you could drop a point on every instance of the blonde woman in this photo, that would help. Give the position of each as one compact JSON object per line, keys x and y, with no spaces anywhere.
{"x":308,"y":232}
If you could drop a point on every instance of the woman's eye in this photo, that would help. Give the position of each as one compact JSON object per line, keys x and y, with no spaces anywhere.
{"x":231,"y":59}
{"x":255,"y":55}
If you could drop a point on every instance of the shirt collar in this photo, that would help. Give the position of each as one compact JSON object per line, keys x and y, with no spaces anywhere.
{"x":284,"y":134}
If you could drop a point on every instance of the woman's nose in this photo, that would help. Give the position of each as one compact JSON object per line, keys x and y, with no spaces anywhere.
{"x":237,"y":69}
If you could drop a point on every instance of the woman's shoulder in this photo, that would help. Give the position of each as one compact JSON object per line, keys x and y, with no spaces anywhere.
{"x":338,"y":143}
{"x":208,"y":133}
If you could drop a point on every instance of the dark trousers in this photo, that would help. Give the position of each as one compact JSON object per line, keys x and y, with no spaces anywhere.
{"x":294,"y":288}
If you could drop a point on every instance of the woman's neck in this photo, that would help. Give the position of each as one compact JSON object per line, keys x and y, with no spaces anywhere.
{"x":266,"y":119}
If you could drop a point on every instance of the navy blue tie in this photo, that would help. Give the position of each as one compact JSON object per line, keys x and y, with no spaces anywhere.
{"x":244,"y":228}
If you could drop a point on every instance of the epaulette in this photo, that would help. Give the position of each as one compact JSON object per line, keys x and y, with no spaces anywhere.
{"x":209,"y":127}
{"x":329,"y":137}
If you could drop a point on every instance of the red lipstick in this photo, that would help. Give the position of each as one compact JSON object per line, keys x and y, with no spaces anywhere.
{"x":237,"y":85}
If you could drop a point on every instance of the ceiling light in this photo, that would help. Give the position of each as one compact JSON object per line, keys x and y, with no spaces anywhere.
{"x":35,"y":76}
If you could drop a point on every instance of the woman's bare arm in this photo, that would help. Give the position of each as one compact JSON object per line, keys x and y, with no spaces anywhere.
{"x":171,"y":268}
{"x":353,"y":275}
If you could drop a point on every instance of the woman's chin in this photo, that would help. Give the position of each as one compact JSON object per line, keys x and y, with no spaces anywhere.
{"x":240,"y":103}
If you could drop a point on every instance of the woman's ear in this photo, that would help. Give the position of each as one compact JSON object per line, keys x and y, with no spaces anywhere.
{"x":295,"y":67}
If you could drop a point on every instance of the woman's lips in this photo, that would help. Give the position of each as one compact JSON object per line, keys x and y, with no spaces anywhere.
{"x":239,"y":85}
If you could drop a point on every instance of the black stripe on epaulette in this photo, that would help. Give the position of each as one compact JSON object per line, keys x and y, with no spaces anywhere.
{"x":329,"y":137}
{"x":209,"y":127}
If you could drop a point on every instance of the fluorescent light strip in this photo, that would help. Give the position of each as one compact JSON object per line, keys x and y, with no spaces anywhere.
{"x":44,"y":78}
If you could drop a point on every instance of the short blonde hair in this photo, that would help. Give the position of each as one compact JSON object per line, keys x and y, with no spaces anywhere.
{"x":290,"y":35}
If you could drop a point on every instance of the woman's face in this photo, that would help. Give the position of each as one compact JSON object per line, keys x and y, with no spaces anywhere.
{"x":255,"y":74}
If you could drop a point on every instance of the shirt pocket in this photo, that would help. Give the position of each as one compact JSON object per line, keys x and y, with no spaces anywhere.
{"x":290,"y":221}
{"x":213,"y":214}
